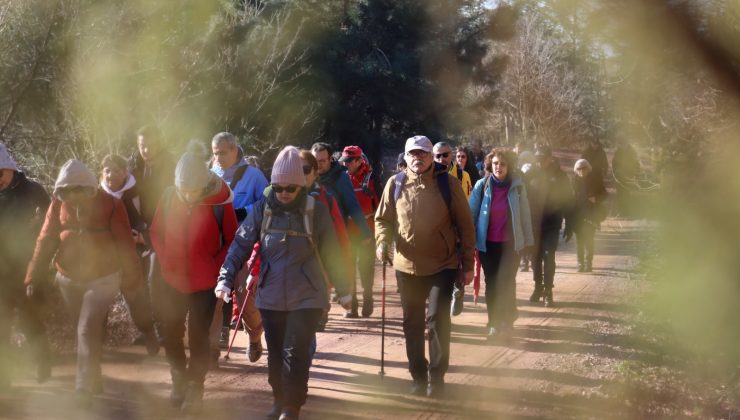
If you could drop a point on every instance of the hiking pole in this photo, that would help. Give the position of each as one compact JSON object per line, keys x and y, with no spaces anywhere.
{"x":382,"y":325}
{"x":239,"y":320}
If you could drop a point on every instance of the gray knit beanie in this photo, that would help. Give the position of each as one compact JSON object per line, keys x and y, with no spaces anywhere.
{"x":75,"y":174}
{"x":6,"y":162}
{"x":191,"y":172}
{"x":288,"y":168}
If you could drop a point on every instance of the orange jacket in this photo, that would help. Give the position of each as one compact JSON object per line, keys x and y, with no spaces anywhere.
{"x":88,"y":244}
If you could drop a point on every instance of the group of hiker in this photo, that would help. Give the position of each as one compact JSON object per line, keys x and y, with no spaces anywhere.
{"x":207,"y":240}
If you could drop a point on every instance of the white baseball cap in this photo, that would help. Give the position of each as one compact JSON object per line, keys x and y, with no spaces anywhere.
{"x":418,"y":143}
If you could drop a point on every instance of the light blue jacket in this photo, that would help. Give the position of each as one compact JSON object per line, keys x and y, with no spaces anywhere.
{"x":521,"y":219}
{"x":250,"y":187}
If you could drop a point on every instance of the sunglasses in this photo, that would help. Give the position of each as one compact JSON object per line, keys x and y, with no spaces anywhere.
{"x":289,"y":189}
{"x":307,"y":169}
{"x":442,"y":155}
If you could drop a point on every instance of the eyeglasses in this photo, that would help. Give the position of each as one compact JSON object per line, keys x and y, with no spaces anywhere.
{"x":307,"y":169}
{"x":442,"y":155}
{"x":417,"y":153}
{"x":289,"y":189}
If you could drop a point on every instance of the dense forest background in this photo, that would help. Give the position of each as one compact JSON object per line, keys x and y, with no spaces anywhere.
{"x":78,"y":77}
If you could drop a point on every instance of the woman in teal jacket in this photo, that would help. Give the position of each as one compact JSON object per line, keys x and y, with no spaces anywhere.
{"x":503,"y":231}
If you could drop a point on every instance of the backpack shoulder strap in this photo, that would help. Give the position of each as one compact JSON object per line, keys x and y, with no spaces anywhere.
{"x":308,"y":216}
{"x":238,"y":175}
{"x":218,"y":212}
{"x":266,"y":222}
{"x":443,"y":182}
{"x":398,"y":183}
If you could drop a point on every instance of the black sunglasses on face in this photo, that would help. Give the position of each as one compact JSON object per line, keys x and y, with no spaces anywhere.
{"x":289,"y":189}
{"x":442,"y":155}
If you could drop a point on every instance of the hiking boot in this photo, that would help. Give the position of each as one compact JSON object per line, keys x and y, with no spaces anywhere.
{"x":151,"y":342}
{"x":435,"y":389}
{"x":43,"y":370}
{"x":177,"y":395}
{"x":367,"y":306}
{"x":213,"y":359}
{"x":581,"y":268}
{"x":224,"y":340}
{"x":536,"y":294}
{"x":322,"y":322}
{"x":290,"y":413}
{"x":274,"y":413}
{"x":418,"y":387}
{"x":549,"y":303}
{"x":458,"y":295}
{"x":193,"y":402}
{"x":254,"y":351}
{"x":351,"y":314}
{"x":588,"y":267}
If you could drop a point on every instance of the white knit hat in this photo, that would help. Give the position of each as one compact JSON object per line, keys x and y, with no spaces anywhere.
{"x":288,"y":168}
{"x":75,"y":174}
{"x":6,"y":162}
{"x":191,"y":172}
{"x":581,"y":163}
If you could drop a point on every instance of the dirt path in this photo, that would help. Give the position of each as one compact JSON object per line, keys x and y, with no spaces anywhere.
{"x":556,"y":364}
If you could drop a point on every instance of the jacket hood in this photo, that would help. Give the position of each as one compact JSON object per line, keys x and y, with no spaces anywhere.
{"x":75,"y":174}
{"x":130,"y":183}
{"x":217,"y":192}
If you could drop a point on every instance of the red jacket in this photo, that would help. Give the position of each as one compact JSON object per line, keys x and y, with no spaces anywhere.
{"x":186,"y":239}
{"x":366,"y":195}
{"x":87,"y":245}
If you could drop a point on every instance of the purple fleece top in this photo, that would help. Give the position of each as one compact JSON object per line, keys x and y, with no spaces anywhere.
{"x":499,"y":220}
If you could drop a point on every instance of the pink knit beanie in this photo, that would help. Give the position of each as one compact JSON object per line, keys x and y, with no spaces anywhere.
{"x":288,"y":168}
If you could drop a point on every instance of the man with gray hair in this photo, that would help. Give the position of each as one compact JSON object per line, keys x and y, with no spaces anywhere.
{"x":247,"y":182}
{"x":424,"y":214}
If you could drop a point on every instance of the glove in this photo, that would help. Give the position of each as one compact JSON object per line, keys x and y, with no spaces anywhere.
{"x":223,"y":292}
{"x":384,"y":254}
{"x":345,"y":301}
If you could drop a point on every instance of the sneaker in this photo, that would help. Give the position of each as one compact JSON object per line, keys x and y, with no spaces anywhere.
{"x":254,"y":351}
{"x":351,"y":314}
{"x":458,"y":295}
{"x":367,"y":306}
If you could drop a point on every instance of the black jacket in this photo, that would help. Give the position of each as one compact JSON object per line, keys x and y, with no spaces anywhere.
{"x":23,"y":206}
{"x":550,"y":197}
{"x":583,"y":210}
{"x":152,"y":181}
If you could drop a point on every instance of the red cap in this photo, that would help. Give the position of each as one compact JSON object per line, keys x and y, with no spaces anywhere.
{"x":351,"y":152}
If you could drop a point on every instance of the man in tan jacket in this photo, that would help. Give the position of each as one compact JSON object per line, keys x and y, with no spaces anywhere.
{"x":424,"y":213}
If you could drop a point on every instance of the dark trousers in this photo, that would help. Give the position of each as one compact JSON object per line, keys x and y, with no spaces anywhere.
{"x":415,"y":290}
{"x":140,"y":307}
{"x":289,"y":335}
{"x":500,"y":263}
{"x":174,"y":307}
{"x":30,"y":321}
{"x":543,"y":262}
{"x":585,"y":243}
{"x":363,"y":255}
